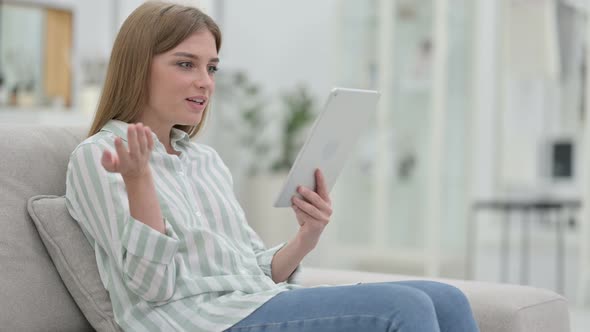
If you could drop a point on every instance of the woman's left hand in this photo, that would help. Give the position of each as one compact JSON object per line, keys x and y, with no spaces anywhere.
{"x":313,"y":212}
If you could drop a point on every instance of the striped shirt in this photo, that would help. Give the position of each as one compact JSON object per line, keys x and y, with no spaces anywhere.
{"x":206,"y":273}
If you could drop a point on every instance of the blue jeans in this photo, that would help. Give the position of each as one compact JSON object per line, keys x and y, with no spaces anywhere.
{"x":405,"y":306}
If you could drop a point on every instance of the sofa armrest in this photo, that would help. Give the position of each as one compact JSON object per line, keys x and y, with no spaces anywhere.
{"x":496,"y":307}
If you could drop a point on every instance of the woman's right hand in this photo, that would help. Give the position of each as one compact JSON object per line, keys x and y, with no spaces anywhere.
{"x":131,"y":162}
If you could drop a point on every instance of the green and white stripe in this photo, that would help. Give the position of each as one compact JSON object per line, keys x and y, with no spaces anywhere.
{"x":209,"y":270}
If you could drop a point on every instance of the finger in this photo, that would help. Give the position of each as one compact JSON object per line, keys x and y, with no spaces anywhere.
{"x":132,"y":141}
{"x":321,"y":187}
{"x":313,"y":198}
{"x":311,"y":210}
{"x":109,"y":161}
{"x":142,"y":139}
{"x":150,"y":139}
{"x":302,"y":217}
{"x":296,"y":211}
{"x":122,"y":153}
{"x":307,"y":219}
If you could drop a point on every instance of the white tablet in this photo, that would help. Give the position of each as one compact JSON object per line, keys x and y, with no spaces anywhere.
{"x":333,"y":135}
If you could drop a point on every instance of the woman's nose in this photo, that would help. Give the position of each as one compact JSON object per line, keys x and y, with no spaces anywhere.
{"x":203,"y":80}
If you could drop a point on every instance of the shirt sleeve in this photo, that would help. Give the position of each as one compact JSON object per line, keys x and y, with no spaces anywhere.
{"x":98,"y":200}
{"x":265,"y":256}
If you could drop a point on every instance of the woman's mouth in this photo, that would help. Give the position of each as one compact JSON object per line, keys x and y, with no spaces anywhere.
{"x":196,"y":103}
{"x":199,"y":101}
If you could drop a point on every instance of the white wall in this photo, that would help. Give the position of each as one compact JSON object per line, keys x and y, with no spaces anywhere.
{"x":280,"y":43}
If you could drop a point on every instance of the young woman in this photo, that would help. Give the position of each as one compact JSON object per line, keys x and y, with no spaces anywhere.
{"x":172,"y":244}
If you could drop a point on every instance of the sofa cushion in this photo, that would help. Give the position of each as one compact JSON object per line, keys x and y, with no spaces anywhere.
{"x":74,"y":258}
{"x":496,"y":307}
{"x":34,"y":298}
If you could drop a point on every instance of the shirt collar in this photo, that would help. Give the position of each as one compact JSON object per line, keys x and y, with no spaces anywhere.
{"x":119,"y":128}
{"x":116,"y":127}
{"x":179,"y":135}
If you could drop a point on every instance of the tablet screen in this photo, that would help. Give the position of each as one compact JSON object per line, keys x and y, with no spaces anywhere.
{"x":335,"y":131}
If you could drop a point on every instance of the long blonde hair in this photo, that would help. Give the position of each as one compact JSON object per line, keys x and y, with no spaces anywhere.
{"x":153,"y":28}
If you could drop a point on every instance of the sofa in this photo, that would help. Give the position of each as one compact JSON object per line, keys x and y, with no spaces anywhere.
{"x":48,"y":276}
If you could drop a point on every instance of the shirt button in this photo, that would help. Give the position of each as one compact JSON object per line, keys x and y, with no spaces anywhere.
{"x":198,"y":214}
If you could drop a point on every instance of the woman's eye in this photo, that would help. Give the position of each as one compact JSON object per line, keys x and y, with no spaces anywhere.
{"x":213,"y":69}
{"x":185,"y":64}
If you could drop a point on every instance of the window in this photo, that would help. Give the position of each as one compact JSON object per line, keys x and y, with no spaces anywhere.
{"x":35,"y":56}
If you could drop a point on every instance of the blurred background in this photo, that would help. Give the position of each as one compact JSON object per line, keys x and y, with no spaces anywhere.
{"x":477,"y":161}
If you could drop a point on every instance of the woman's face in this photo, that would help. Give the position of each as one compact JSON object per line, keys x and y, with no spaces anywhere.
{"x":182,"y":81}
